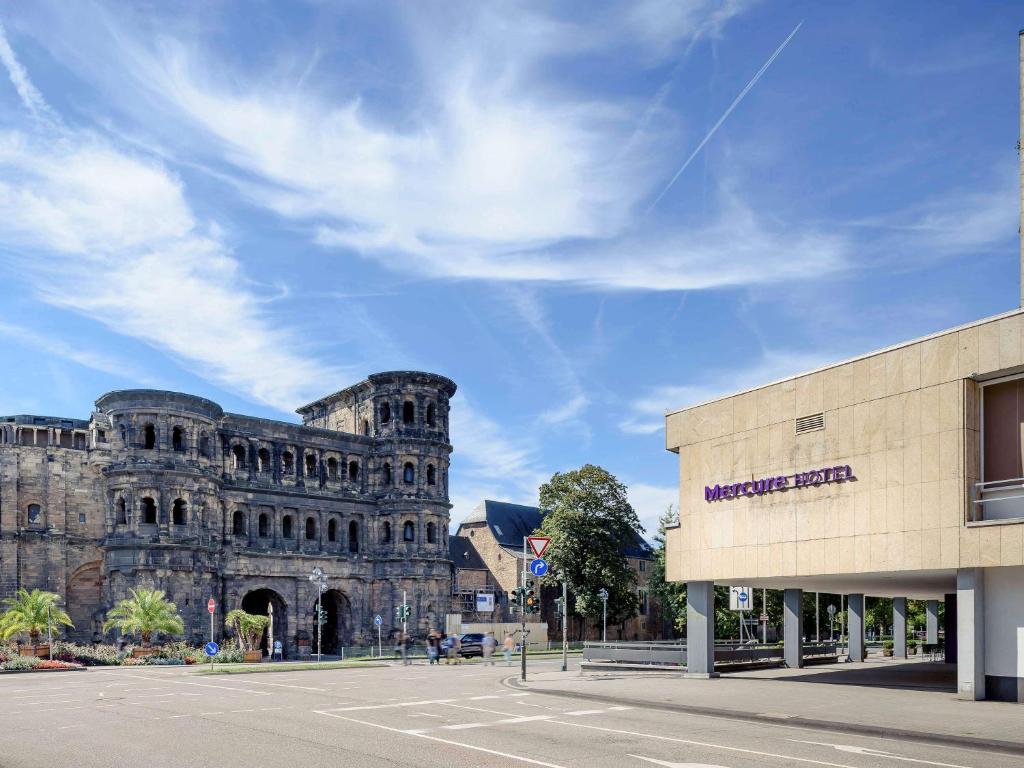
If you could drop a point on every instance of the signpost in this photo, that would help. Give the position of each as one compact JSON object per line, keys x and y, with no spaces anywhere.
{"x":741,"y":599}
{"x":603,"y":594}
{"x":539,"y":544}
{"x":831,"y":621}
{"x":211,"y":606}
{"x":539,"y":567}
{"x":377,"y":620}
{"x":318,"y":578}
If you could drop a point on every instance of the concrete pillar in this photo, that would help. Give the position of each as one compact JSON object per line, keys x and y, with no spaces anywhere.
{"x":700,"y":628}
{"x":793,"y":628}
{"x":931,"y":622}
{"x":950,"y":627}
{"x":855,"y":625}
{"x":970,"y":633}
{"x":899,"y":627}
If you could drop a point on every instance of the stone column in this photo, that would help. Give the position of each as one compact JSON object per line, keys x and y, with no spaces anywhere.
{"x":931,"y":611}
{"x":970,"y":633}
{"x":793,"y":628}
{"x":700,"y":629}
{"x":899,"y":627}
{"x":855,"y":627}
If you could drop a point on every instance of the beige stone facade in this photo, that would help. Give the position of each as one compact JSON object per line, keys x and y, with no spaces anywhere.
{"x":905,"y":419}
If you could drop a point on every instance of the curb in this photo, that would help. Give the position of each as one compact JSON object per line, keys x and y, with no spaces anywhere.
{"x":857,"y":729}
{"x":40,"y":671}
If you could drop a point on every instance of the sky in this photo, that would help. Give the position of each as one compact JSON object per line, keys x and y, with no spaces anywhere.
{"x":584,"y":214}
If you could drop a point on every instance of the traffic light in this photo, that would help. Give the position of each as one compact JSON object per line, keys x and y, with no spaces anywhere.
{"x":402,"y":612}
{"x":322,"y":616}
{"x":531,"y":600}
{"x":559,"y":605}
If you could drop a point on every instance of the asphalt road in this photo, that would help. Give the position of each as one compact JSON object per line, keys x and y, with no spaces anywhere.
{"x":395,"y":716}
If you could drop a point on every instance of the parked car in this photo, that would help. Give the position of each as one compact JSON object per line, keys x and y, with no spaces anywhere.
{"x":472,"y":644}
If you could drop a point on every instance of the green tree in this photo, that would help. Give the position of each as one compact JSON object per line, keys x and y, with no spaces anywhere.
{"x":26,"y":614}
{"x":589,"y":519}
{"x":670,"y":596}
{"x":248,"y":627}
{"x":145,"y":613}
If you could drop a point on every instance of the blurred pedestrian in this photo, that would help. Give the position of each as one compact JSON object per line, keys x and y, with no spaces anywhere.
{"x":488,"y":644}
{"x":433,"y":646}
{"x":507,"y":647}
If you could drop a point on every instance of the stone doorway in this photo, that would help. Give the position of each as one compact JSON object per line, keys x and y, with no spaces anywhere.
{"x":338,"y":629}
{"x":258,"y":602}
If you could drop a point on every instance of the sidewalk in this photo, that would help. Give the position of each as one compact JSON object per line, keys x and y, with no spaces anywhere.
{"x":910,"y":700}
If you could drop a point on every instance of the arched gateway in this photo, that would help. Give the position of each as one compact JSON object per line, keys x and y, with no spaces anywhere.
{"x":337,"y":631}
{"x":258,"y":602}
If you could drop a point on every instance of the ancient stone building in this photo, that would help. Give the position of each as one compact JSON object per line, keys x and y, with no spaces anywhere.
{"x":162,"y":489}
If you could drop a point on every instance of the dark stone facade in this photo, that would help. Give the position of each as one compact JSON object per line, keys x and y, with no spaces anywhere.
{"x":162,"y":489}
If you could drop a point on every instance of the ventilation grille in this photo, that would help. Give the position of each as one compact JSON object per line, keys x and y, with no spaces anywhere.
{"x":810,"y":423}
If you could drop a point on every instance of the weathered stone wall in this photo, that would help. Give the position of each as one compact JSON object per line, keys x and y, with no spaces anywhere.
{"x":165,"y":490}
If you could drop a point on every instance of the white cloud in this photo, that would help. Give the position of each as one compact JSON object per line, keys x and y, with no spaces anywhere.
{"x":122,"y":247}
{"x":647,"y":413}
{"x":27,"y":92}
{"x":650,"y":503}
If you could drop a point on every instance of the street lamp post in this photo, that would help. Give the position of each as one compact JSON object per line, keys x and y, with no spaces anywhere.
{"x":603,"y":594}
{"x":318,"y":578}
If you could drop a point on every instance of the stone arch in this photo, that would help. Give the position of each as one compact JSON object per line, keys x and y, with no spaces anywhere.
{"x":337,"y":631}
{"x":85,"y":600}
{"x":149,"y":436}
{"x":179,"y":512}
{"x":120,"y":511}
{"x":256,"y":601}
{"x":178,"y":439}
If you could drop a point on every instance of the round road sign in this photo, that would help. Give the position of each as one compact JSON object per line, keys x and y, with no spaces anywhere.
{"x":211,"y":648}
{"x":539,"y":567}
{"x":211,"y":605}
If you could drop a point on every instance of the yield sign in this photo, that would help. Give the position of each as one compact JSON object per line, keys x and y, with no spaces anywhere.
{"x":539,"y":544}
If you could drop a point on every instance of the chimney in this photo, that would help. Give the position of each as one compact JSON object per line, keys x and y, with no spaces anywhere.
{"x":1020,"y":159}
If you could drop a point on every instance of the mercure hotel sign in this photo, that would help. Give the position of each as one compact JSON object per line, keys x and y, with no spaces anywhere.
{"x":812,"y":477}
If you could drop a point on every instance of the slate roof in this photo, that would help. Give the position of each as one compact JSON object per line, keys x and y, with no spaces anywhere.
{"x":509,"y":523}
{"x":464,"y":554}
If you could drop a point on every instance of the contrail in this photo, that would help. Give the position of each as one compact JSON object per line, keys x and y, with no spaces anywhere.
{"x":722,"y":119}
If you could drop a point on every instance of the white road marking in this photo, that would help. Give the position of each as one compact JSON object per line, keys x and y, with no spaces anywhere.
{"x":288,"y":685}
{"x":868,"y":752}
{"x":418,"y":735}
{"x":392,"y":706}
{"x":703,"y":744}
{"x":219,"y":687}
{"x":676,"y":765}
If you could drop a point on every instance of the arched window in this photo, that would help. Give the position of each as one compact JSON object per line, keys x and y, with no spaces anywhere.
{"x":179,"y":514}
{"x":353,"y":536}
{"x":408,"y":412}
{"x":178,"y":439}
{"x":431,"y":533}
{"x":409,"y":531}
{"x":238,"y":523}
{"x":35,"y":514}
{"x":366,"y":427}
{"x":262,"y":526}
{"x":238,"y":457}
{"x":353,"y":471}
{"x":149,"y":436}
{"x":286,"y":527}
{"x":287,"y":463}
{"x":311,"y":465}
{"x":431,"y":475}
{"x":387,"y":474}
{"x":148,"y":511}
{"x":120,"y":512}
{"x":263,"y":460}
{"x":124,"y":435}
{"x":408,"y":473}
{"x":332,"y":530}
{"x":431,"y":416}
{"x":204,"y":445}
{"x":310,"y":529}
{"x":386,"y":536}
{"x":385,"y":412}
{"x":332,"y":468}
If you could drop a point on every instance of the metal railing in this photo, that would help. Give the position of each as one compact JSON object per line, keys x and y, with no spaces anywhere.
{"x":673,"y":653}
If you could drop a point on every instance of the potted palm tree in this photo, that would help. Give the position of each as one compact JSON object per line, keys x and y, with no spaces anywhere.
{"x":145,"y":613}
{"x":249,"y":628}
{"x":30,"y":613}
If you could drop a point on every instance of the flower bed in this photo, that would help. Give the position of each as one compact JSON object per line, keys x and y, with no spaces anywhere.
{"x":105,"y":655}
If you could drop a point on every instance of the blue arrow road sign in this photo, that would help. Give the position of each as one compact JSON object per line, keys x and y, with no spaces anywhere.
{"x":378,"y":620}
{"x":743,"y":597}
{"x":539,"y":567}
{"x":211,"y":648}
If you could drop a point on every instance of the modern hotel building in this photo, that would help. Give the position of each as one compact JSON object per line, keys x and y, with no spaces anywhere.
{"x":895,"y":474}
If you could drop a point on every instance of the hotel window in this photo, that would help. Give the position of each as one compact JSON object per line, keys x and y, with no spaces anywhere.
{"x":1003,"y":410}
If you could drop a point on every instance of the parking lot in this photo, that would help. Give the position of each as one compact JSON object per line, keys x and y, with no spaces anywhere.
{"x":418,"y":715}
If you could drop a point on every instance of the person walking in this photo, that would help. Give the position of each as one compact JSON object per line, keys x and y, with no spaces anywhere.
{"x":488,"y":644}
{"x":447,"y":647}
{"x":507,"y":647}
{"x":406,"y":661}
{"x":433,"y":641}
{"x":457,"y":649}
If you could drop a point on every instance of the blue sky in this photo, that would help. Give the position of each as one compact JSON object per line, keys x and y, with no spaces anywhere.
{"x":263,"y":202}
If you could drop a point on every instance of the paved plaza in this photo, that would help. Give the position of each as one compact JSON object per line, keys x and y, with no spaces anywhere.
{"x":467,"y":715}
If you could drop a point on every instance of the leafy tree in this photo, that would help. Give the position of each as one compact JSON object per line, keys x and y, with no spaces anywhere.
{"x":27,"y":614}
{"x":670,"y":596}
{"x":589,"y":519}
{"x":146,"y":612}
{"x":249,"y":627}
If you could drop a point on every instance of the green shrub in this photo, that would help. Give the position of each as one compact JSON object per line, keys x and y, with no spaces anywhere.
{"x":158,"y":661}
{"x":230,"y":653}
{"x":87,"y":655}
{"x":176,"y":651}
{"x":7,"y":652}
{"x":888,"y":645}
{"x":911,"y":643}
{"x":20,"y":662}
